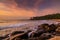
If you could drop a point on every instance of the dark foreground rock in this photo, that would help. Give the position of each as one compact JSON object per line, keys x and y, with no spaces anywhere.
{"x":43,"y":32}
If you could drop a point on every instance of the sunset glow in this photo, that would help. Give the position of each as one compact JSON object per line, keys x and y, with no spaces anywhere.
{"x":28,"y":8}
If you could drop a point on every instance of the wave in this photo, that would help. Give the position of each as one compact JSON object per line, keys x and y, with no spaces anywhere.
{"x":21,"y":24}
{"x":12,"y":25}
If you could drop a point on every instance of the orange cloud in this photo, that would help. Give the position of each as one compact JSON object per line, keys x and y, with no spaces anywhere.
{"x":47,"y":11}
{"x":9,"y":8}
{"x":14,"y":11}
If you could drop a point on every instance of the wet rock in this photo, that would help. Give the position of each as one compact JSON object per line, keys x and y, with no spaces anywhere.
{"x":22,"y":36}
{"x":17,"y":38}
{"x":58,"y":25}
{"x":58,"y":31}
{"x":16,"y":32}
{"x":37,"y":33}
{"x":3,"y":37}
{"x":52,"y":28}
{"x":46,"y":36}
{"x":45,"y":27}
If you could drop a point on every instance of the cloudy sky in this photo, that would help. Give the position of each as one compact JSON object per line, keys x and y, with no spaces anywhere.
{"x":21,"y":9}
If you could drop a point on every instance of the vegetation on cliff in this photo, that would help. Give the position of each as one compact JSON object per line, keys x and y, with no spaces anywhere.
{"x":47,"y":17}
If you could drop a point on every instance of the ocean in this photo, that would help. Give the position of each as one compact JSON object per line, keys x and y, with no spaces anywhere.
{"x":10,"y":24}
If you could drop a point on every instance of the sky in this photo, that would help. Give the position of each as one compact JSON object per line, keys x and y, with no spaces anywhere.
{"x":24,"y":9}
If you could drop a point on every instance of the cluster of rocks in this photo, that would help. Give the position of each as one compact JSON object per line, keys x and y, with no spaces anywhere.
{"x":43,"y":32}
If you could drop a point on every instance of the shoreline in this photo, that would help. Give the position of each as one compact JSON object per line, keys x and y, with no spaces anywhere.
{"x":22,"y":27}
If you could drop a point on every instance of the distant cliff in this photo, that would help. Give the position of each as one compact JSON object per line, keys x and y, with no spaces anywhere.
{"x":47,"y":17}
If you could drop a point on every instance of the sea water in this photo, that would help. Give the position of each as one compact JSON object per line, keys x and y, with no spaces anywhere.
{"x":10,"y":24}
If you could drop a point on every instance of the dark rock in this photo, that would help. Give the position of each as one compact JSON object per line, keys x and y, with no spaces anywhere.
{"x":3,"y":37}
{"x":52,"y":28}
{"x":45,"y":27}
{"x":16,"y":32}
{"x":58,"y":31}
{"x":58,"y":25}
{"x":46,"y":36}
{"x":24,"y":36}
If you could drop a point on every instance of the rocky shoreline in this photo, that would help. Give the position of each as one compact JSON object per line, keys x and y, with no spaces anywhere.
{"x":41,"y":32}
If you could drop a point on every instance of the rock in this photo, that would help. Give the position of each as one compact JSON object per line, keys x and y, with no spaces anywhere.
{"x":58,"y":25}
{"x":45,"y":27}
{"x":3,"y":37}
{"x":22,"y":36}
{"x":58,"y":31}
{"x":52,"y":28}
{"x":46,"y":36}
{"x":37,"y":33}
{"x":16,"y":32}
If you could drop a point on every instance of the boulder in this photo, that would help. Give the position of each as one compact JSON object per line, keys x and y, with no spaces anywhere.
{"x":45,"y":27}
{"x":52,"y":28}
{"x":58,"y":31}
{"x":46,"y":36}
